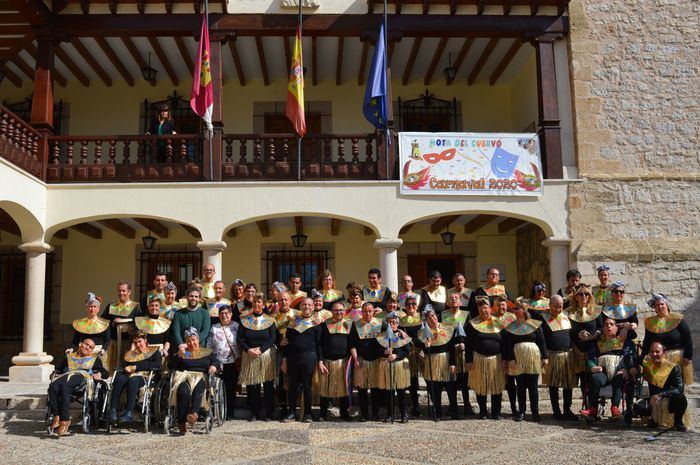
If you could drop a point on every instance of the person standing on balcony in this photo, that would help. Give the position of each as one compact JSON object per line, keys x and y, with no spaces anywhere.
{"x":375,"y":292}
{"x":163,"y":125}
{"x":492,"y":289}
{"x":434,"y":294}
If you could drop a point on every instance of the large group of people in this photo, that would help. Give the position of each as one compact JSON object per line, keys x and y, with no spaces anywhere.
{"x":291,"y":350}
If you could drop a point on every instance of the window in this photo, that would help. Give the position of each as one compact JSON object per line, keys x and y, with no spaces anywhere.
{"x":180,"y":267}
{"x":12,"y":287}
{"x":23,"y":109}
{"x":186,"y":122}
{"x":420,"y":265}
{"x":282,"y":263}
{"x":277,"y":123}
{"x":428,"y":113}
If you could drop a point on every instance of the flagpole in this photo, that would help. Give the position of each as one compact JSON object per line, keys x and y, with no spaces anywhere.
{"x":299,"y":137}
{"x":386,"y":61}
{"x":211,"y":136}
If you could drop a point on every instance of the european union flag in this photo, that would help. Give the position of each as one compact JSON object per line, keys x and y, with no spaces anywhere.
{"x":375,"y":104}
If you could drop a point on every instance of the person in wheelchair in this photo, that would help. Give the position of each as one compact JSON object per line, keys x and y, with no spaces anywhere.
{"x":139,"y":363}
{"x":666,"y":388}
{"x":190,"y":364}
{"x":608,"y":362}
{"x":79,"y":369}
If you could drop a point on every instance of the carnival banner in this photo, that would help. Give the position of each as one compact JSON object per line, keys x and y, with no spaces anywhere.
{"x":452,"y":163}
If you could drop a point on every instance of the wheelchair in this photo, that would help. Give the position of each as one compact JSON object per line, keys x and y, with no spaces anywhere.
{"x":214,"y":397}
{"x":91,"y":406}
{"x":144,"y":402}
{"x":631,"y":391}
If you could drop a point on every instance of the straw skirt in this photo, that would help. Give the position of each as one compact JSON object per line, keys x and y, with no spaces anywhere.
{"x":396,"y":375}
{"x":527,"y":358}
{"x":663,"y":417}
{"x":257,"y":370}
{"x":486,"y":377}
{"x":367,"y":375}
{"x":676,"y":356}
{"x":415,"y":362}
{"x":559,"y":372}
{"x":192,"y":379}
{"x":332,"y":384}
{"x":578,"y":361}
{"x":610,"y":364}
{"x":437,"y":368}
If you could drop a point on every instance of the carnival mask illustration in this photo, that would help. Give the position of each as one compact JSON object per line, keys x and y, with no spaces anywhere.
{"x":503,"y":163}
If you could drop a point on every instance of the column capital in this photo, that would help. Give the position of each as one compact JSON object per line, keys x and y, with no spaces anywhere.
{"x":37,"y":247}
{"x":556,"y":241}
{"x":386,"y":243}
{"x":217,"y":246}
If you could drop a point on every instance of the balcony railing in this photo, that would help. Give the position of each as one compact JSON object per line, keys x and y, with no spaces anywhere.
{"x":185,"y":157}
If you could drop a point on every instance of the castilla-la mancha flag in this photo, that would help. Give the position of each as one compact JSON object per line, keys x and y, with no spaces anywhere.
{"x":295,"y":89}
{"x":202,"y":99}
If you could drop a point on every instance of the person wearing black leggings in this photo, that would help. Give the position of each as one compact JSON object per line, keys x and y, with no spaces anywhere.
{"x":394,"y":373}
{"x":365,"y":351}
{"x":334,"y":352}
{"x":525,"y":351}
{"x":410,"y":322}
{"x":454,"y":316}
{"x":257,"y":338}
{"x":299,"y":358}
{"x":139,"y":363}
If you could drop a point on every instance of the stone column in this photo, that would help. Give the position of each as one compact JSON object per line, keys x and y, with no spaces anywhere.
{"x":211,"y":253}
{"x":388,"y":261}
{"x":33,"y":364}
{"x":558,"y":261}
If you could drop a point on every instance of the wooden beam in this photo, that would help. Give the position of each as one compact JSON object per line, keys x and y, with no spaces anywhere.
{"x":169,"y":6}
{"x":16,"y":29}
{"x":436,"y":59}
{"x":70,"y":64}
{"x":89,"y":230}
{"x":287,"y":54}
{"x":33,"y":11}
{"x":61,"y":234}
{"x":314,"y":61}
{"x":482,"y":60}
{"x":534,"y":7}
{"x":263,"y":227}
{"x":562,"y":6}
{"x":363,"y":63}
{"x":299,"y":224}
{"x":164,"y":60}
{"x":368,"y":231}
{"x":233,"y":48}
{"x":507,"y":6}
{"x":426,"y":7}
{"x":87,"y":56}
{"x":184,"y":53}
{"x":60,"y":78}
{"x":453,"y":7}
{"x":328,"y":25}
{"x":505,"y":61}
{"x":509,"y":224}
{"x":406,"y":228}
{"x":411,"y":60}
{"x":9,"y":42}
{"x":335,"y":226}
{"x":263,"y":62}
{"x":23,"y":66}
{"x":231,"y":232}
{"x":390,"y":52}
{"x":136,"y":55}
{"x":58,"y":5}
{"x":194,"y":232}
{"x":119,"y":227}
{"x":116,"y":62}
{"x":443,"y":222}
{"x":477,"y":223}
{"x":339,"y":62}
{"x":480,"y":5}
{"x":113,"y":5}
{"x":155,"y":226}
{"x":12,"y":18}
{"x":11,"y":76}
{"x":85,"y":6}
{"x":141,"y":6}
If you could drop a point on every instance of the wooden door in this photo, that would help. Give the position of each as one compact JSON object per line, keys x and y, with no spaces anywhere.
{"x":276,"y":123}
{"x":420,"y":265}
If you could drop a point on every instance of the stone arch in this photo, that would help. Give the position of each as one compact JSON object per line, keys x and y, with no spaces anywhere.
{"x":31,"y":229}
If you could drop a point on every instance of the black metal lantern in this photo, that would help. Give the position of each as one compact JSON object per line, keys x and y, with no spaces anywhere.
{"x":447,"y":237}
{"x":299,"y":240}
{"x":149,"y":73}
{"x":450,"y":71}
{"x":149,"y":242}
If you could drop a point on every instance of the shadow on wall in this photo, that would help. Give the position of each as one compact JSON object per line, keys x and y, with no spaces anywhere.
{"x":692,"y":317}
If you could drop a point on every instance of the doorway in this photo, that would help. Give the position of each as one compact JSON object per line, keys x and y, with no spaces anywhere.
{"x":420,"y":265}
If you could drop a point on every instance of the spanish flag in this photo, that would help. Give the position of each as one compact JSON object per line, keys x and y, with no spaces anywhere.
{"x":295,"y":89}
{"x":202,"y":98}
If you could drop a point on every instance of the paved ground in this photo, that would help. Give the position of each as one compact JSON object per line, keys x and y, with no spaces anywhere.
{"x":23,"y":440}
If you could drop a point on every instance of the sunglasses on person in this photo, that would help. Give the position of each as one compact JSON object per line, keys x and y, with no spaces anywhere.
{"x":618,"y":292}
{"x":410,"y":304}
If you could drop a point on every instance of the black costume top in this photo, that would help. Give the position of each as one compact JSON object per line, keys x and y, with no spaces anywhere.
{"x":673,"y":332}
{"x":335,"y":345}
{"x":249,"y":338}
{"x":363,"y":338}
{"x":483,"y":338}
{"x":200,"y":364}
{"x":96,"y":329}
{"x":302,"y":339}
{"x":492,"y":292}
{"x":556,"y":331}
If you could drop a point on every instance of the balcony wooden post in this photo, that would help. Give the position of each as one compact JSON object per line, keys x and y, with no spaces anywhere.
{"x":42,"y":100}
{"x":548,"y":106}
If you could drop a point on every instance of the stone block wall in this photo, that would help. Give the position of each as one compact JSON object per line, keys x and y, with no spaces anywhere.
{"x":635,"y":76}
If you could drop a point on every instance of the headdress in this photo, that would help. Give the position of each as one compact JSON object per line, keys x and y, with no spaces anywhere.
{"x":602,"y":267}
{"x":657,"y":297}
{"x":191,"y":331}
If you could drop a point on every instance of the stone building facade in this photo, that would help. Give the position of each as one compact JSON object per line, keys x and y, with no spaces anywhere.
{"x":635,"y":76}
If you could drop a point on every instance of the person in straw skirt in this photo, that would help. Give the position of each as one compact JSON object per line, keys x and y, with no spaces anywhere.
{"x":525,"y":351}
{"x":608,"y":362}
{"x":437,"y":342}
{"x":365,"y":352}
{"x":483,"y":353}
{"x":257,"y":338}
{"x":559,"y":372}
{"x":456,"y":315}
{"x":410,"y":322}
{"x":300,"y":356}
{"x":671,"y":330}
{"x":334,"y":353}
{"x":394,"y":371}
{"x":586,"y":324}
